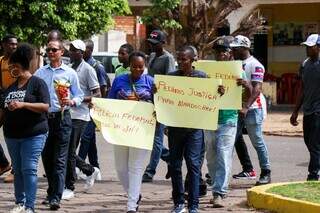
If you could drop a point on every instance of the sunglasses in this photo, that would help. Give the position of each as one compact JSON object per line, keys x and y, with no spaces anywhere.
{"x":52,"y":49}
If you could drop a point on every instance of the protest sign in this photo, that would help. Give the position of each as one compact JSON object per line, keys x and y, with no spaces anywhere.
{"x":126,"y":123}
{"x":187,"y":102}
{"x":229,"y":72}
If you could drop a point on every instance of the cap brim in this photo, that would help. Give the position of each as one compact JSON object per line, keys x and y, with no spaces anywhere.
{"x":235,"y":45}
{"x":238,"y":45}
{"x":153,"y":41}
{"x":75,"y":45}
{"x":215,"y":47}
{"x":309,"y":44}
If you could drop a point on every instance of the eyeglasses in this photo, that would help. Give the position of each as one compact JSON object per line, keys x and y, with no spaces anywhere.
{"x":54,"y":50}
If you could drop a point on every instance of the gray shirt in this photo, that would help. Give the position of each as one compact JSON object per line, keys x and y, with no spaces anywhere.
{"x":88,"y":81}
{"x":161,"y":65}
{"x":310,"y":75}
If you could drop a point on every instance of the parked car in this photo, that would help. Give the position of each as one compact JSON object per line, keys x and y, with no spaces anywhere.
{"x":109,"y":60}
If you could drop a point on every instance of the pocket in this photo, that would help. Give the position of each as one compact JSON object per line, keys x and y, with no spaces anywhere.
{"x":254,"y":116}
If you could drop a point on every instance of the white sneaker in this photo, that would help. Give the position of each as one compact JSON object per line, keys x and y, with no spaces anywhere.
{"x":67,"y":194}
{"x":99,"y":176}
{"x":18,"y":208}
{"x":90,"y":179}
{"x":80,"y":174}
{"x":28,"y":210}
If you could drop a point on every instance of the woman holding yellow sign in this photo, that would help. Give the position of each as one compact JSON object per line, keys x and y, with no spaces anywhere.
{"x":129,"y":161}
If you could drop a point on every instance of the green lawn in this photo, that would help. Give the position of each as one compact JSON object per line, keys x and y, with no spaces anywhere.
{"x":309,"y":191}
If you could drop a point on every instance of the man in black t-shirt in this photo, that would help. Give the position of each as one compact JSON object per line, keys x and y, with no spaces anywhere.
{"x":309,"y":99}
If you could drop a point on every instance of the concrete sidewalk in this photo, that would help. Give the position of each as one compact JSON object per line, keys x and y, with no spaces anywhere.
{"x":278,"y":123}
{"x":288,"y":161}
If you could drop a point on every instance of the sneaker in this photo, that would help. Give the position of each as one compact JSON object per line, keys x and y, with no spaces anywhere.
{"x":80,"y":174}
{"x":54,"y":205}
{"x":245,"y":175}
{"x":29,"y":210}
{"x":312,"y":177}
{"x":5,"y":169}
{"x":90,"y":179}
{"x":217,"y":201}
{"x":179,"y":208}
{"x":17,"y":208}
{"x":67,"y":194}
{"x":265,"y":178}
{"x":9,"y":178}
{"x":99,"y":176}
{"x":193,"y":210}
{"x":146,"y":178}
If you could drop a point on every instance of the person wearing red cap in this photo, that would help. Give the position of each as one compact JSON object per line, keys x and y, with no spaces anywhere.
{"x":309,"y":99}
{"x":161,"y":62}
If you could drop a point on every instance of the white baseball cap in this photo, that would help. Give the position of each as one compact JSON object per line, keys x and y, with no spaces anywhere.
{"x":240,"y":41}
{"x":79,"y":44}
{"x":312,"y":40}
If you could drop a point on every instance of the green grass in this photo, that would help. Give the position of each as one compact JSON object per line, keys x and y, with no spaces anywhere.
{"x":309,"y":191}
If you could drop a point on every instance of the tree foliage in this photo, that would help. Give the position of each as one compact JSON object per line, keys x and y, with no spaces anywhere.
{"x":31,"y":20}
{"x":163,"y":14}
{"x":196,"y":22}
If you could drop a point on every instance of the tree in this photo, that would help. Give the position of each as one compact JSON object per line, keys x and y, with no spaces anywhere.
{"x":196,"y":22}
{"x":31,"y":20}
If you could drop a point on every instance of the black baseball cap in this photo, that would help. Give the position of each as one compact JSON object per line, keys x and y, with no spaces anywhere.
{"x":223,"y":42}
{"x":156,"y":37}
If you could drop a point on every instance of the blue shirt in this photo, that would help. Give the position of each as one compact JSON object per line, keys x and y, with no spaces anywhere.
{"x":65,"y":73}
{"x":194,"y":73}
{"x":101,"y":72}
{"x":122,"y":87}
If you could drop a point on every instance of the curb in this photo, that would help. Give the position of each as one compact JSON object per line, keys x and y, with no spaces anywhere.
{"x":258,"y":198}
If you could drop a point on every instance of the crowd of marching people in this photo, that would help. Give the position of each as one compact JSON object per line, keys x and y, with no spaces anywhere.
{"x":47,"y":114}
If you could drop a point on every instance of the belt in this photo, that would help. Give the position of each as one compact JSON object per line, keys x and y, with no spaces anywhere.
{"x":52,"y":115}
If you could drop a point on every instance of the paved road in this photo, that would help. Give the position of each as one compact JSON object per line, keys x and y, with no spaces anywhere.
{"x":289,"y":163}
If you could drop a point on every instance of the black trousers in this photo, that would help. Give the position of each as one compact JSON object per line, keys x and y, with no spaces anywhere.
{"x":241,"y":148}
{"x":55,"y":153}
{"x":78,"y":127}
{"x":3,"y":160}
{"x":311,"y":134}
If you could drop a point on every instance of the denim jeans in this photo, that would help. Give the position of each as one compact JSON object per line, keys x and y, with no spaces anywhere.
{"x":186,"y":143}
{"x":253,"y":122}
{"x":158,"y":151}
{"x":78,"y":127}
{"x":88,"y":146}
{"x":55,"y":153}
{"x":219,"y":146}
{"x":311,"y":134}
{"x":25,"y":154}
{"x":241,"y":148}
{"x":129,"y":163}
{"x":3,"y":160}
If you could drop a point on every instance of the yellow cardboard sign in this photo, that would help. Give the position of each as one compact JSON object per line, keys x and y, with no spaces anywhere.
{"x":228,"y":71}
{"x":126,"y":123}
{"x":187,"y":102}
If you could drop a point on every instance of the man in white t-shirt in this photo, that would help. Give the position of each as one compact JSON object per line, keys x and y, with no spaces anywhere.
{"x":80,"y":117}
{"x":251,"y":115}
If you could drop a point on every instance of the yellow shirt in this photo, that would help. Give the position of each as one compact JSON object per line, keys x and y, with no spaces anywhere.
{"x":6,"y":78}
